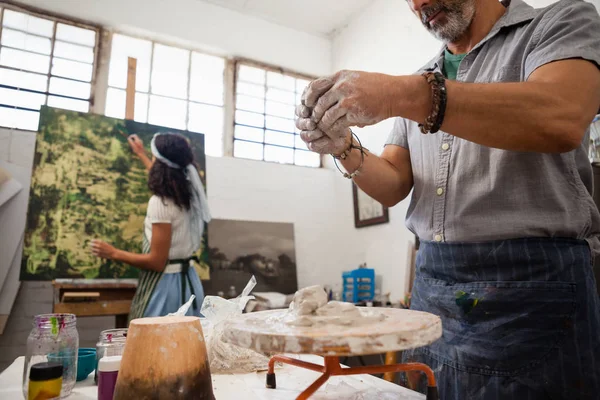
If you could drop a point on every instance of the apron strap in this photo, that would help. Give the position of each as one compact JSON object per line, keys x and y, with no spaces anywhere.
{"x":185,"y":278}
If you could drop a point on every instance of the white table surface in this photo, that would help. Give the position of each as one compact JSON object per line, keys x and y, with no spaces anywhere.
{"x":291,"y":381}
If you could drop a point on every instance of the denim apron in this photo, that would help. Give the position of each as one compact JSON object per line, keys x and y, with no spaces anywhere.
{"x":520,"y":318}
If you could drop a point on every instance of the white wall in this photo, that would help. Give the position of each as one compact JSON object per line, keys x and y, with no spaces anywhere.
{"x":205,"y":27}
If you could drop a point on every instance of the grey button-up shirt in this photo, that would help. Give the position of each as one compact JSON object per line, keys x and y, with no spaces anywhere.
{"x":465,"y":192}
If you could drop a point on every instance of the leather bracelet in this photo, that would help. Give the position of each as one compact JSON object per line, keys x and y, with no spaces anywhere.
{"x":362,"y":150}
{"x":434,"y":121}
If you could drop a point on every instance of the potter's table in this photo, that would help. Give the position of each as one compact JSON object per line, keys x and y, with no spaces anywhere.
{"x":291,"y":382}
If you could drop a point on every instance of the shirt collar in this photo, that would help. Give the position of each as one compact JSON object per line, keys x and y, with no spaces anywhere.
{"x":516,"y":13}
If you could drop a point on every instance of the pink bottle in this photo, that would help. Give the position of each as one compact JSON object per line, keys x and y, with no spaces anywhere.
{"x":108,"y":370}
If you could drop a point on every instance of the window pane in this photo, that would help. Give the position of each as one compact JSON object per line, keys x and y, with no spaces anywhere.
{"x":279,"y":154}
{"x":167,"y":112}
{"x":281,"y":96}
{"x":282,"y":139}
{"x":23,"y":60}
{"x":73,"y":52}
{"x":251,"y":74}
{"x":247,"y":133}
{"x":19,"y":119}
{"x":281,"y":81}
{"x":170,"y":71}
{"x":75,"y":34}
{"x":115,"y":103}
{"x":301,"y":84}
{"x":122,"y":47}
{"x":72,"y":69}
{"x":206,"y":85}
{"x":251,"y":90}
{"x":28,"y":23}
{"x":20,"y":98}
{"x":26,"y":42}
{"x":140,"y":110}
{"x":70,"y":88}
{"x":25,"y":80}
{"x":280,"y":109}
{"x":299,"y":143}
{"x":248,"y":118}
{"x":253,"y":151}
{"x":68,"y":104}
{"x":249,"y":103}
{"x":307,"y":158}
{"x":280,"y":124}
{"x":209,"y":121}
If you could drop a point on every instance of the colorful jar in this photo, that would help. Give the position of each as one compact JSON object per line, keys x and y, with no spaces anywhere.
{"x":110,"y":343}
{"x":53,"y":339}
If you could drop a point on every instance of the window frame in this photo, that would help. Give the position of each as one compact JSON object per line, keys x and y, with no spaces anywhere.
{"x":191,"y":49}
{"x":56,"y":19}
{"x":236,"y":63}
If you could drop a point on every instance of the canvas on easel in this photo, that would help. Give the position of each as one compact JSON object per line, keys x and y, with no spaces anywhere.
{"x":87,"y":184}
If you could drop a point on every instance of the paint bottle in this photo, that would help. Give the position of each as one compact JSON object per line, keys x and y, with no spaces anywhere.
{"x":45,"y":381}
{"x":108,"y":370}
{"x":110,"y":343}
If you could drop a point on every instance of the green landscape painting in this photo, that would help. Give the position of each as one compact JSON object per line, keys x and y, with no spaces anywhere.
{"x":87,"y":184}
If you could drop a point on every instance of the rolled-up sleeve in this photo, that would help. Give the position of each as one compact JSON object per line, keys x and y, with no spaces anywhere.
{"x":399,"y":134}
{"x":571,"y":30}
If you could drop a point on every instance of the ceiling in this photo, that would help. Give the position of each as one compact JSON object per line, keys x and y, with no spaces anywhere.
{"x":317,"y":17}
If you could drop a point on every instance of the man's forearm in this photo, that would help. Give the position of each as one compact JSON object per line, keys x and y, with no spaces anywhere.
{"x":379,"y":178}
{"x":524,"y":116}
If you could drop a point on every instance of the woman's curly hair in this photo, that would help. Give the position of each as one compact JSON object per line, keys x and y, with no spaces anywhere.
{"x":171,"y":183}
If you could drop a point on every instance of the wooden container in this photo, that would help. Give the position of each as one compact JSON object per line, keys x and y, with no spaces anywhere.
{"x":164,"y":358}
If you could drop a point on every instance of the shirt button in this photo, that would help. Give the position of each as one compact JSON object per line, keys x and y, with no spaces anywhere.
{"x":445,"y":146}
{"x":438,"y":238}
{"x":439,"y":191}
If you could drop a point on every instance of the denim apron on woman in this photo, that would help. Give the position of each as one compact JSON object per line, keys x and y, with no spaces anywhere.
{"x":520,"y":318}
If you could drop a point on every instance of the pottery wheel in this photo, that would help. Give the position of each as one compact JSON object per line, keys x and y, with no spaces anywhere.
{"x":266,"y":332}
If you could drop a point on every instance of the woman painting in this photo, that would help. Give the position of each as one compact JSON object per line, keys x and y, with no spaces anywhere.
{"x":173,"y":230}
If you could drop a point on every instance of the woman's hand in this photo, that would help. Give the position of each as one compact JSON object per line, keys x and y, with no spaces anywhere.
{"x":136,"y":144}
{"x":102,"y":249}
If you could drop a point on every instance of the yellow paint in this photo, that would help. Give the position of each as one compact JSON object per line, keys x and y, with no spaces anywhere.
{"x":43,"y":390}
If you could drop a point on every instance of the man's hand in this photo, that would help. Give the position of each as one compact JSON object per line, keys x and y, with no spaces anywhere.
{"x":136,"y":144}
{"x":349,"y":98}
{"x":102,"y":249}
{"x":332,"y":142}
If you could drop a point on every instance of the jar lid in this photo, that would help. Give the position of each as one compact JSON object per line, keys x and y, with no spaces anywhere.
{"x":109,"y":364}
{"x":45,"y":371}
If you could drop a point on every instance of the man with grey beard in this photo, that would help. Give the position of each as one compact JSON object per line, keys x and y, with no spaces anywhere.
{"x":491,"y":138}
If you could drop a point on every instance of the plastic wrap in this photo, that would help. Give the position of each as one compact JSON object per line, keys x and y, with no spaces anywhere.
{"x":224,"y":357}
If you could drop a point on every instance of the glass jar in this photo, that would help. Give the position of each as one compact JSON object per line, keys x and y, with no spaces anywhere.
{"x":54,"y":339}
{"x":110,"y":343}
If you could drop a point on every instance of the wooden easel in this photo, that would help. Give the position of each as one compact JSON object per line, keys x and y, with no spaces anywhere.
{"x":101,"y":297}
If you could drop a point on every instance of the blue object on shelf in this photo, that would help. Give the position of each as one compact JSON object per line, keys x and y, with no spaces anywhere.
{"x":358,"y":285}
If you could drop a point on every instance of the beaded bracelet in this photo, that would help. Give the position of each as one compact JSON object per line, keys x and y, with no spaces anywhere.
{"x":345,"y":154}
{"x":434,"y":121}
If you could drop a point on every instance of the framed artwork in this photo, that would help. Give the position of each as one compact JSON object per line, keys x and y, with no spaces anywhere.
{"x":240,"y":249}
{"x":367,"y":211}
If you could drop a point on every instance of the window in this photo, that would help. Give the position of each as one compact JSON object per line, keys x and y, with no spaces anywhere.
{"x":264,"y":127}
{"x":43,"y":61}
{"x":175,"y":87}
